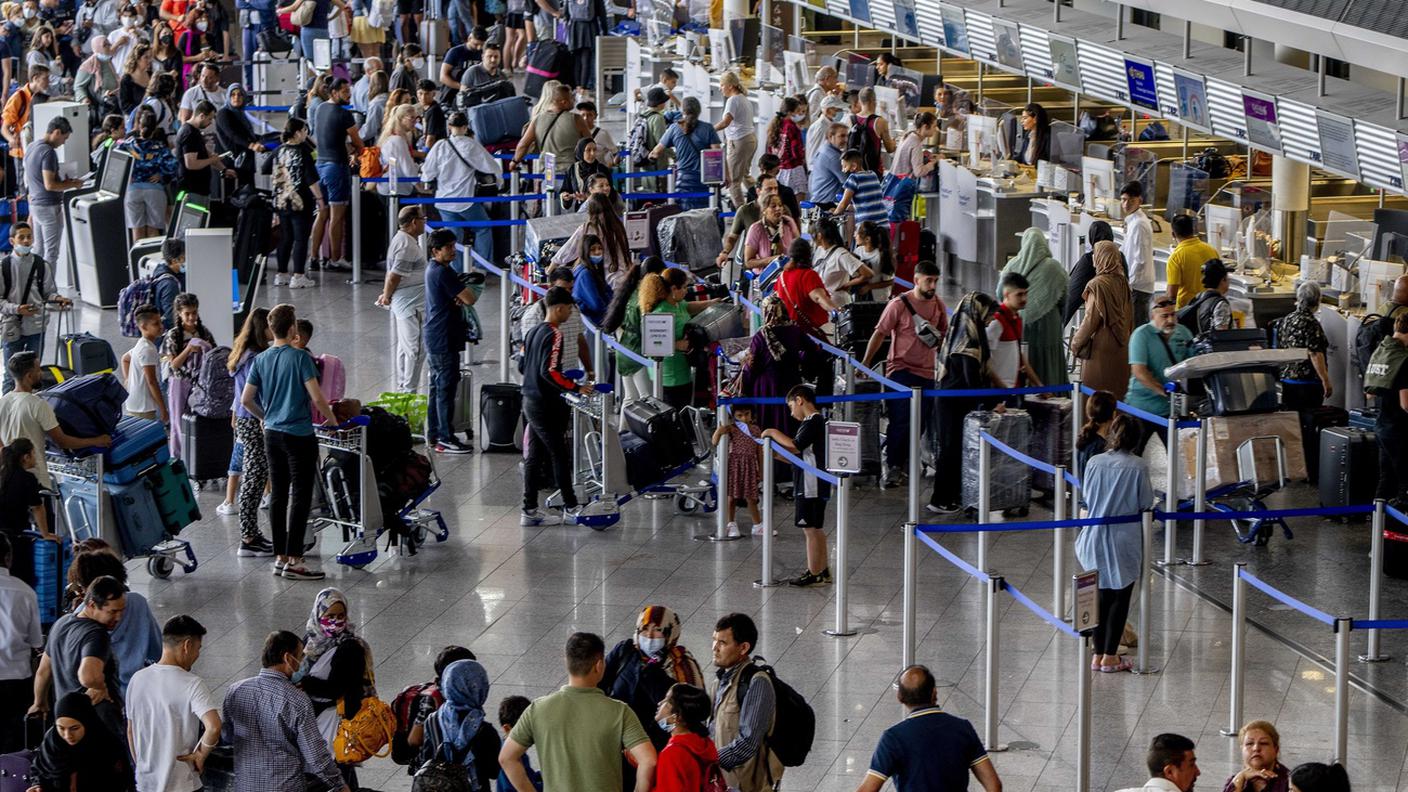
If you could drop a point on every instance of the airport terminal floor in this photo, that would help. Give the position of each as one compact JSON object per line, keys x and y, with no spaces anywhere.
{"x":513,"y":594}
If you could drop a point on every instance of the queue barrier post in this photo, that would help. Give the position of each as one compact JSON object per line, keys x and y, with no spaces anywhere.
{"x":393,"y":203}
{"x":843,"y":504}
{"x":1376,"y":579}
{"x":1077,"y":421}
{"x":608,"y":406}
{"x":356,"y":211}
{"x":1342,"y":630}
{"x":1171,"y":483}
{"x":850,"y":407}
{"x":1083,"y":713}
{"x":1239,"y":648}
{"x":991,"y":664}
{"x":1200,"y":492}
{"x":769,"y":484}
{"x":720,"y":533}
{"x":1058,"y":546}
{"x":909,"y":595}
{"x":916,"y":429}
{"x":1146,"y":592}
{"x":657,"y":381}
{"x":984,"y":499}
{"x":505,"y":298}
{"x":670,"y":179}
{"x":515,"y":212}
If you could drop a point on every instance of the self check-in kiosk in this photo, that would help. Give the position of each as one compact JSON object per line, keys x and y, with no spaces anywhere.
{"x":96,"y":228}
{"x":146,"y":254}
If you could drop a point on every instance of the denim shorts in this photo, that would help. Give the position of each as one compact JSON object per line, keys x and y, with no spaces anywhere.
{"x":337,"y":182}
{"x":236,"y":466}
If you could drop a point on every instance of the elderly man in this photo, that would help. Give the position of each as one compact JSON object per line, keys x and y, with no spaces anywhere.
{"x":827,"y":84}
{"x":362,"y":86}
{"x":833,"y":111}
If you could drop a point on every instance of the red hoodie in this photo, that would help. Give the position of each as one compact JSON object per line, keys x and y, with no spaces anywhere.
{"x":683,"y":762}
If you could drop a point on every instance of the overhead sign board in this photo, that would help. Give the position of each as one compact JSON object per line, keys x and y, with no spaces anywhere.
{"x":1262,"y":127}
{"x":1065,"y":64}
{"x":955,"y":29}
{"x":1143,"y":90}
{"x":1337,"y":150}
{"x":906,"y":19}
{"x":1192,"y":95}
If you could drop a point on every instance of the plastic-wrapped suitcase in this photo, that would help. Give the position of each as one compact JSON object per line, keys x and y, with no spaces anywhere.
{"x":867,"y":414}
{"x":655,"y":421}
{"x":175,"y":500}
{"x":206,"y":445}
{"x":556,"y":228}
{"x":501,"y":416}
{"x":1010,"y":480}
{"x":643,"y":468}
{"x":1349,"y":466}
{"x":51,"y":563}
{"x":694,"y":425}
{"x":855,"y":324}
{"x":691,"y":239}
{"x":721,"y":321}
{"x":494,"y":122}
{"x":1051,"y":435}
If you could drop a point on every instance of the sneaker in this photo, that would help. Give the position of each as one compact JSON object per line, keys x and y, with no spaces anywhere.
{"x":280,"y":279}
{"x":826,"y":575}
{"x":340,"y":265}
{"x":808,"y":580}
{"x":264,"y":502}
{"x":894,"y":478}
{"x":569,"y":515}
{"x":532,"y":517}
{"x":758,"y":531}
{"x":315,"y":264}
{"x":279,"y":568}
{"x":301,"y":282}
{"x":227,"y":509}
{"x":733,"y":532}
{"x":452,"y":446}
{"x":301,"y":571}
{"x":255,"y":548}
{"x":942,"y":508}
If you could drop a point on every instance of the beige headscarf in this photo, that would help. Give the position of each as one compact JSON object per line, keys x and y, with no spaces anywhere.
{"x":1110,"y":292}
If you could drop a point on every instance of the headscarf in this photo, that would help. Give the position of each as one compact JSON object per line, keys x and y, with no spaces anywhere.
{"x":1046,"y":278}
{"x":966,"y":331}
{"x":775,"y":315}
{"x":675,"y":660}
{"x":1111,"y":292}
{"x":316,"y":642}
{"x":96,"y":758}
{"x":465,"y":686}
{"x":1100,"y":231}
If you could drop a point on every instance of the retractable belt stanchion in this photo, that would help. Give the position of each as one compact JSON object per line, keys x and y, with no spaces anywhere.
{"x":1058,"y":545}
{"x":984,"y":499}
{"x":916,"y":430}
{"x":1342,"y":629}
{"x":608,"y":403}
{"x":1171,"y":484}
{"x":1146,"y":592}
{"x":1239,"y":648}
{"x":1376,"y":580}
{"x":722,"y":488}
{"x":505,"y":296}
{"x":356,"y":212}
{"x":843,"y":504}
{"x":769,"y":484}
{"x":515,"y":211}
{"x":909,"y":638}
{"x":991,"y":665}
{"x":1082,"y":708}
{"x":1200,"y":492}
{"x":393,"y":205}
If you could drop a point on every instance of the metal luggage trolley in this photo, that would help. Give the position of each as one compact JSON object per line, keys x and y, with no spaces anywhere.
{"x":361,"y":529}
{"x":1248,"y":494}
{"x":162,"y":557}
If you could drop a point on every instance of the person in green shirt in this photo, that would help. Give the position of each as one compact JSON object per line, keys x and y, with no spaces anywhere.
{"x":664,"y":293}
{"x":580,"y":732}
{"x":1154,"y":347}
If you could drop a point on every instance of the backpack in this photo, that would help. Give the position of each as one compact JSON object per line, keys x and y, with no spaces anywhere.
{"x":213,"y":390}
{"x":714,"y":780}
{"x":794,"y":723}
{"x":133,"y":296}
{"x":638,"y":141}
{"x":866,"y":140}
{"x":1372,"y":332}
{"x":1381,"y":375}
{"x":369,"y":166}
{"x":388,"y":437}
{"x":364,"y":735}
{"x":405,"y":707}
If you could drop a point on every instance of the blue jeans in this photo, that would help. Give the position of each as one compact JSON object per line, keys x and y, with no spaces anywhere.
{"x":28,"y":343}
{"x":483,"y":237}
{"x":444,"y":381}
{"x":897,"y":436}
{"x":306,"y":37}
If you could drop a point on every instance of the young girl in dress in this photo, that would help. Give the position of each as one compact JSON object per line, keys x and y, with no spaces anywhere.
{"x":745,"y":466}
{"x":181,"y":351}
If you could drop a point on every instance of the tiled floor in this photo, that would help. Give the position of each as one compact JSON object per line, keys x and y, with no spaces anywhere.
{"x":513,"y":594}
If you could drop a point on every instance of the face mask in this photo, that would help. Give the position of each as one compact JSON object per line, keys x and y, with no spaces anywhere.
{"x":664,"y":724}
{"x":650,"y":645}
{"x":22,"y":250}
{"x":868,"y":256}
{"x":297,"y":676}
{"x":595,"y":259}
{"x":799,"y":118}
{"x":418,"y":63}
{"x":129,"y":22}
{"x":202,"y":25}
{"x":29,"y":13}
{"x":104,"y":57}
{"x":332,"y":625}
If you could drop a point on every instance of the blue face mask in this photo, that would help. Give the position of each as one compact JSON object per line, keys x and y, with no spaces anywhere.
{"x":595,"y":259}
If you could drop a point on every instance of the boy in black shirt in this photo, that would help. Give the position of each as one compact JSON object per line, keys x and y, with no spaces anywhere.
{"x":545,"y":411}
{"x":197,"y":163}
{"x":810,"y":491}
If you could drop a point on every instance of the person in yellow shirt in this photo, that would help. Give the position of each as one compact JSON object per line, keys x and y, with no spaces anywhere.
{"x":1185,"y":263}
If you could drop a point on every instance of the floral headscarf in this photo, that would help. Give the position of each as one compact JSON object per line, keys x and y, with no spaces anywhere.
{"x":775,"y":315}
{"x":674,"y":659}
{"x":966,"y":331}
{"x":318,"y":639}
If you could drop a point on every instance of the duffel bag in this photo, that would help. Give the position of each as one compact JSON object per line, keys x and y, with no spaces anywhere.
{"x":87,"y":406}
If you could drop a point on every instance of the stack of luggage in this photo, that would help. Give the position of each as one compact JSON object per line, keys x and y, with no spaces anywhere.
{"x":660,"y":439}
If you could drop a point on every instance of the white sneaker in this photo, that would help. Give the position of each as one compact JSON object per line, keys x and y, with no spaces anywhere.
{"x":301,"y":282}
{"x":532,"y":518}
{"x":733,"y":530}
{"x":264,"y":504}
{"x":227,"y":509}
{"x":758,"y":531}
{"x":280,"y":279}
{"x":302,"y":571}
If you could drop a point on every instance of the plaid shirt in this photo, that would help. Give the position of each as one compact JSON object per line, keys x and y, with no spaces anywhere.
{"x":275,"y":735}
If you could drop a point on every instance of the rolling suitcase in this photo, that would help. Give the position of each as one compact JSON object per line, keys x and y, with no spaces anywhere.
{"x":14,"y":767}
{"x":643,"y":468}
{"x":654,"y":215}
{"x":206,"y":445}
{"x":1010,"y":480}
{"x":1051,"y":436}
{"x":137,"y":444}
{"x":175,"y":500}
{"x":494,"y":122}
{"x":855,"y":324}
{"x":691,"y":239}
{"x":86,"y":353}
{"x":547,"y":61}
{"x":139,"y":523}
{"x":1364,"y":418}
{"x":53,"y":374}
{"x":462,"y":417}
{"x":1349,"y":466}
{"x":51,"y":563}
{"x":718,"y":322}
{"x":87,"y":406}
{"x":655,"y":421}
{"x":501,"y":417}
{"x":867,"y":414}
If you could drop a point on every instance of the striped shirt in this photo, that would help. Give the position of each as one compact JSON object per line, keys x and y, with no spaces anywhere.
{"x":866,"y":196}
{"x":275,"y":736}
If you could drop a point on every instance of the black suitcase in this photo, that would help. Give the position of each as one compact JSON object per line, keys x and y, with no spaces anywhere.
{"x":656,"y":422}
{"x":253,"y":230}
{"x":85,"y":353}
{"x":643,"y":468}
{"x":206,"y":444}
{"x":1051,"y":436}
{"x":1349,"y":466}
{"x":1239,"y":340}
{"x":501,"y":417}
{"x":855,"y":324}
{"x":549,"y":60}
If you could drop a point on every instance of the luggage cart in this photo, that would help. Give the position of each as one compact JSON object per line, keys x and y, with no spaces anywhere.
{"x":76,"y":512}
{"x":1248,"y":494}
{"x":363,"y":527}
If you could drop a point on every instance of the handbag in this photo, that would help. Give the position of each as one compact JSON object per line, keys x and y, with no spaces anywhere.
{"x":365,"y":735}
{"x":303,"y":13}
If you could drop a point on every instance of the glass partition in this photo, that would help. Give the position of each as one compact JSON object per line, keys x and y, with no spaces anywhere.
{"x":1188,"y":189}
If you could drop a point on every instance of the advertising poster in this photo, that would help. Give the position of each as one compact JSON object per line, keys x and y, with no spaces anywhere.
{"x":1192,"y":100}
{"x":1260,"y":112}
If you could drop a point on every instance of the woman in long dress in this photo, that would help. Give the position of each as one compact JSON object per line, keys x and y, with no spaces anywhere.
{"x":1046,"y":295}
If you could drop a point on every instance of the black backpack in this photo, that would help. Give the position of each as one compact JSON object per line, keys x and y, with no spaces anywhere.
{"x":866,"y":140}
{"x":794,"y":723}
{"x":388,"y":437}
{"x":1372,"y":332}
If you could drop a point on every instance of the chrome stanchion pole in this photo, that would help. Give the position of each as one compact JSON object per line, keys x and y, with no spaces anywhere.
{"x":984,"y":497}
{"x":1171,"y":484}
{"x":910,"y":587}
{"x":1146,"y":589}
{"x":608,"y":403}
{"x":515,"y":212}
{"x":1200,"y":492}
{"x":843,"y":504}
{"x":725,"y":495}
{"x":916,"y":429}
{"x":1376,"y":580}
{"x":1083,"y":714}
{"x":990,"y":668}
{"x":1239,"y":648}
{"x":657,"y":380}
{"x":1342,"y":629}
{"x":1058,"y":547}
{"x":356,"y":211}
{"x":393,"y":204}
{"x":505,"y":298}
{"x":769,"y":485}
{"x":849,"y":409}
{"x":1077,"y":420}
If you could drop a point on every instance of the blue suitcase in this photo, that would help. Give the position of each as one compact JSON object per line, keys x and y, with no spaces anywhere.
{"x":175,"y":500}
{"x":51,"y":562}
{"x":87,"y":406}
{"x":137,"y":444}
{"x":139,"y":523}
{"x":495,"y":122}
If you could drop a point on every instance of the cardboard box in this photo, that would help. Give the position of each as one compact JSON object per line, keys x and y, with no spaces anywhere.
{"x":1226,"y":433}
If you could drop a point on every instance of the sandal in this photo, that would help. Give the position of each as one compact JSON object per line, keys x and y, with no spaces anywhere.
{"x":1123,"y":665}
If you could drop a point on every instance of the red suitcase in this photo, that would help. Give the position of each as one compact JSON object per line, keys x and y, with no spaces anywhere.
{"x":904,"y":242}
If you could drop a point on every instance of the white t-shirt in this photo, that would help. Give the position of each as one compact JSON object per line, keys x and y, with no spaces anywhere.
{"x":1006,"y":357}
{"x":405,"y":258}
{"x":196,"y":94}
{"x":741,"y":126}
{"x":164,"y":707}
{"x":139,"y":396}
{"x":28,"y":416}
{"x":836,"y":266}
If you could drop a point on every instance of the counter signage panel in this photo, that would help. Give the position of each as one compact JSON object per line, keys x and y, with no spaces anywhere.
{"x":906,"y":20}
{"x":1192,"y":106}
{"x":860,"y":10}
{"x":955,"y":29}
{"x":1065,"y":68}
{"x":1262,"y":127}
{"x":1337,"y":151}
{"x":1007,"y":43}
{"x":1402,"y":158}
{"x":1143,"y":91}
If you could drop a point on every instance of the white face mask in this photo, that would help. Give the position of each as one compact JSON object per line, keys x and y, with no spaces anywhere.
{"x":129,"y":22}
{"x":868,"y":256}
{"x":104,"y":57}
{"x":29,"y":13}
{"x":799,"y":118}
{"x":22,"y":250}
{"x":650,"y":645}
{"x":202,"y":25}
{"x":418,"y":63}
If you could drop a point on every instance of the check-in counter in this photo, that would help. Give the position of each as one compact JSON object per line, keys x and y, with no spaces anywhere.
{"x":981,"y":220}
